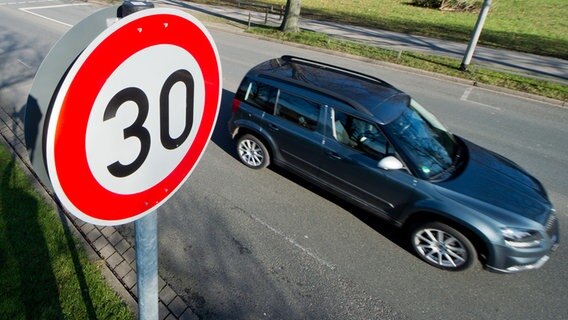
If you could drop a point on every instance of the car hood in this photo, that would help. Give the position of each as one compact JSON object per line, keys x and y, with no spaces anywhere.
{"x":494,"y":180}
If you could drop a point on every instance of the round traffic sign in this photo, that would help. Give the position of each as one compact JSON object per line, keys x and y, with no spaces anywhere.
{"x":133,"y":116}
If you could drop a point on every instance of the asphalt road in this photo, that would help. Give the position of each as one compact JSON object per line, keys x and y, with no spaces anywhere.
{"x":245,"y":244}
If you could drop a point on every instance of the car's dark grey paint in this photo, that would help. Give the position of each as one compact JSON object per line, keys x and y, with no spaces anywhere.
{"x":374,"y":146}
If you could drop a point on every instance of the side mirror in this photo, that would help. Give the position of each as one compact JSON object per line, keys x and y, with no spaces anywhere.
{"x":390,"y":163}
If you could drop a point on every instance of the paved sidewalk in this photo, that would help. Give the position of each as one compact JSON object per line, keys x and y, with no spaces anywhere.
{"x":516,"y":62}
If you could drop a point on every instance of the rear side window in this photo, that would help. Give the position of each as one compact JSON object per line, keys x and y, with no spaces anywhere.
{"x":261,"y":96}
{"x":298,"y":110}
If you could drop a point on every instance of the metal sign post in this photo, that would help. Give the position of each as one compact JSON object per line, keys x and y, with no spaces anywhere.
{"x":146,"y":229}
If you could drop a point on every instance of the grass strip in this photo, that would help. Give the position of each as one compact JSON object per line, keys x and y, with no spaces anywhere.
{"x":438,"y":64}
{"x":44,"y":272}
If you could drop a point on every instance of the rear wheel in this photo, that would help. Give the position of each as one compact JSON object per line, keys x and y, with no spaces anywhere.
{"x":443,"y":246}
{"x":252,"y":152}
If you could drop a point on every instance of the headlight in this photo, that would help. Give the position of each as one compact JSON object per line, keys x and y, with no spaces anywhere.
{"x":518,"y":238}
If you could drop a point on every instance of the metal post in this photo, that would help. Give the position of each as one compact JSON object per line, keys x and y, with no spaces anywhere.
{"x":475,"y":37}
{"x":146,"y":230}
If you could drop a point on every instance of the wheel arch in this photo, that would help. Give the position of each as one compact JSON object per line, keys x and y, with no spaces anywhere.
{"x":470,"y":231}
{"x":258,"y":133}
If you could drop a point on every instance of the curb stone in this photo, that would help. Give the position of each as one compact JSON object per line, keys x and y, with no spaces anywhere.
{"x":102,"y":243}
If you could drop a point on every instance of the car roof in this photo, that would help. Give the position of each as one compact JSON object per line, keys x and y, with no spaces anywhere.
{"x":367,"y":94}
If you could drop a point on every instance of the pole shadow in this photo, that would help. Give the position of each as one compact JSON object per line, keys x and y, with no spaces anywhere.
{"x":37,"y":292}
{"x":19,"y":208}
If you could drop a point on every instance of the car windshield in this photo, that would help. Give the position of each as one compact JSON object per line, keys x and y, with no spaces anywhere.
{"x":428,"y":145}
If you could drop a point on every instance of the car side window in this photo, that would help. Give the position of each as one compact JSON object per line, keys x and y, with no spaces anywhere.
{"x":261,"y":96}
{"x":359,"y":134}
{"x":298,"y":110}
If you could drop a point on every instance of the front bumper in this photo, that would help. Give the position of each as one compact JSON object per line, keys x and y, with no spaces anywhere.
{"x":512,"y":260}
{"x":518,"y":268}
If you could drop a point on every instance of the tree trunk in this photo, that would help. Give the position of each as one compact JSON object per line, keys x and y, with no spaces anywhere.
{"x":290,"y":23}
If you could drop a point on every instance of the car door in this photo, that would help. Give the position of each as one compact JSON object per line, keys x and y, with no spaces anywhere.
{"x":352,"y":150}
{"x":296,"y":130}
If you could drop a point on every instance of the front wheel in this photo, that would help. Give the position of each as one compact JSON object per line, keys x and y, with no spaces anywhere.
{"x":443,"y":246}
{"x":252,"y":152}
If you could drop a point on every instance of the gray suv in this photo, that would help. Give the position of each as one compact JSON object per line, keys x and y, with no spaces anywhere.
{"x":374,"y":146}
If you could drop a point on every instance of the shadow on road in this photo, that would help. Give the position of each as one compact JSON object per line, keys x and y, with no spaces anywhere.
{"x":394,"y":234}
{"x":221,"y":135}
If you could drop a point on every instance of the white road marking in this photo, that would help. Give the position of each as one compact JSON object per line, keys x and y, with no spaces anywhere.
{"x":466,"y":94}
{"x":24,"y":64}
{"x":293,"y":242}
{"x":465,"y":97}
{"x":28,"y":10}
{"x":559,"y":104}
{"x":25,"y":2}
{"x":484,"y":105}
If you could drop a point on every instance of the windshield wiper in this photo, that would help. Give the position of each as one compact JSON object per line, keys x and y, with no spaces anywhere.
{"x":452,"y":168}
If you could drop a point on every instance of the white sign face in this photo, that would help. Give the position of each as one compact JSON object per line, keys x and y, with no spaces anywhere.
{"x":160,"y":161}
{"x":133,"y":116}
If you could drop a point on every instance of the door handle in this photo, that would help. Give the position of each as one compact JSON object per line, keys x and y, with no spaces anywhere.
{"x":273,"y":127}
{"x":334,"y":155}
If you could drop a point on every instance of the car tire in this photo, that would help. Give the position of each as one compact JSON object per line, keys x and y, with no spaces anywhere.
{"x":443,"y":246}
{"x":252,"y":152}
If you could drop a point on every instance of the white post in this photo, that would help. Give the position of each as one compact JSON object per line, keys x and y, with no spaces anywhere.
{"x":475,"y":37}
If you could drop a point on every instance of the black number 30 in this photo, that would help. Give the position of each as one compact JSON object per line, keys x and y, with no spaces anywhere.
{"x":137,"y":129}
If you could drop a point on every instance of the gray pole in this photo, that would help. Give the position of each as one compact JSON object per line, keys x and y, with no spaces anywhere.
{"x":146,"y":230}
{"x":475,"y":37}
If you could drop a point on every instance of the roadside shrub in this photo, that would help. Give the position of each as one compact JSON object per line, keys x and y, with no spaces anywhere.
{"x":450,"y":5}
{"x":461,"y":5}
{"x":427,"y":3}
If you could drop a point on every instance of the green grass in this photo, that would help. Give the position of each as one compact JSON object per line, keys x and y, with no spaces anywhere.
{"x":539,"y":27}
{"x":44,"y":273}
{"x":438,"y":64}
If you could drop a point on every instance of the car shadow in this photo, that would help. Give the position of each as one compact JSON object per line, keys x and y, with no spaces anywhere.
{"x":221,"y":136}
{"x":395,"y":234}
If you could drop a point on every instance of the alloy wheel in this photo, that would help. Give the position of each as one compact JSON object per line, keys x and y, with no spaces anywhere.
{"x":441,"y":248}
{"x":251,"y":153}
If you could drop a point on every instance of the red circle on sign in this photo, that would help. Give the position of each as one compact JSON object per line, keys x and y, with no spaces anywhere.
{"x":70,"y":166}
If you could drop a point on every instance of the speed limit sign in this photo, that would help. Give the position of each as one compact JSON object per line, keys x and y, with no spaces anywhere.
{"x":133,"y":116}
